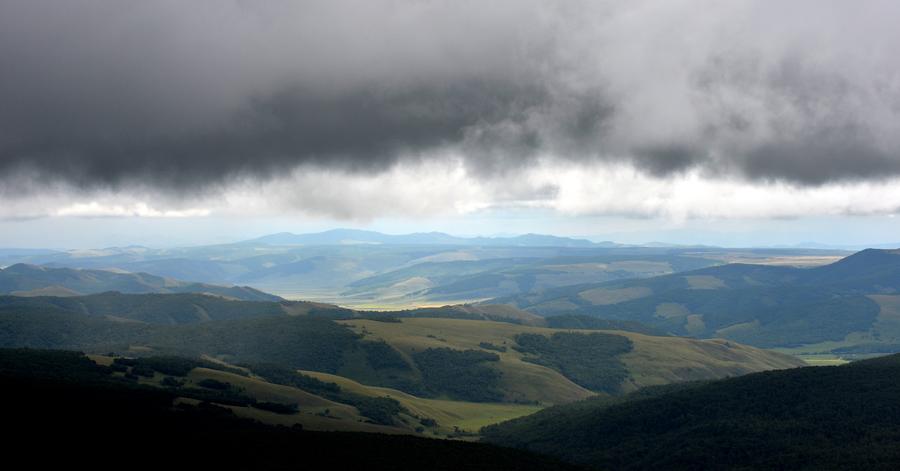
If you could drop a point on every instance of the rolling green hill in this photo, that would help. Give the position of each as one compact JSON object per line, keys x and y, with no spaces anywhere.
{"x":425,"y":357}
{"x":846,"y":306}
{"x":534,"y":376}
{"x":808,"y":418}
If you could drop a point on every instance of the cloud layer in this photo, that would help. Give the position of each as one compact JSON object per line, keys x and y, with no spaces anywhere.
{"x":198,"y":98}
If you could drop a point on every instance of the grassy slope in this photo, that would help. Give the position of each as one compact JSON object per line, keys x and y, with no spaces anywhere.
{"x":662,"y":360}
{"x":340,"y":418}
{"x":654,"y":360}
{"x":468,"y":416}
{"x":521,"y":381}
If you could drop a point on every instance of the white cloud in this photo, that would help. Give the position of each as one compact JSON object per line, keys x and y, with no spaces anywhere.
{"x":426,"y":188}
{"x":434,"y":188}
{"x":139,"y":209}
{"x":445,"y":188}
{"x":621,"y":190}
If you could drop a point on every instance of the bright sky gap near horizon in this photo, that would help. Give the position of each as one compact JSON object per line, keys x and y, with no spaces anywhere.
{"x":165,"y":123}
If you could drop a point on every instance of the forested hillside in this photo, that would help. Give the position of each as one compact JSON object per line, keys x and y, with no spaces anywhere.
{"x":813,"y":418}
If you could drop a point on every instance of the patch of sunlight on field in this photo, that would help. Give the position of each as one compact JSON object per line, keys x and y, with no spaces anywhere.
{"x":823,"y":360}
{"x":800,"y":261}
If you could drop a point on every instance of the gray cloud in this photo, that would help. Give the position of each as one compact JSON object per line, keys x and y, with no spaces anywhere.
{"x":187,"y":96}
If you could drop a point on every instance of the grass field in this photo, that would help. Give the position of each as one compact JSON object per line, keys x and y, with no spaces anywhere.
{"x":804,"y":261}
{"x":823,"y":360}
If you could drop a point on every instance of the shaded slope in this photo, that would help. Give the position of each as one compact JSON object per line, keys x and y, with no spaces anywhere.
{"x":166,"y":309}
{"x":809,"y":418}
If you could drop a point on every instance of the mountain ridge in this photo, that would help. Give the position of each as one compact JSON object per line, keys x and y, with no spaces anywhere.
{"x":850,"y":302}
{"x":24,"y":279}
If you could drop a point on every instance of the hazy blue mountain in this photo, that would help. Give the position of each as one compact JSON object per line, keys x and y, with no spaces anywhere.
{"x":355,"y":236}
{"x":33,"y":280}
{"x":370,"y":268}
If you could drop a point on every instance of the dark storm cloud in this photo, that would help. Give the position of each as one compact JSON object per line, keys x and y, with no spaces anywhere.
{"x":363,"y":130}
{"x":187,"y":95}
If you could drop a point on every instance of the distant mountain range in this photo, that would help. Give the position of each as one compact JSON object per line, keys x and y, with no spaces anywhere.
{"x":852,"y":305}
{"x":370,"y":269}
{"x":33,"y":280}
{"x":354,"y":236}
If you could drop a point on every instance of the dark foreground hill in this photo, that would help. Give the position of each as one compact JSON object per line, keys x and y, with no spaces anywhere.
{"x":34,"y":280}
{"x":845,"y":417}
{"x":62,"y":409}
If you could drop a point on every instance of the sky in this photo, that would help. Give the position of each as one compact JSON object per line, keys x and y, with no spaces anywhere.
{"x":686,"y":121}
